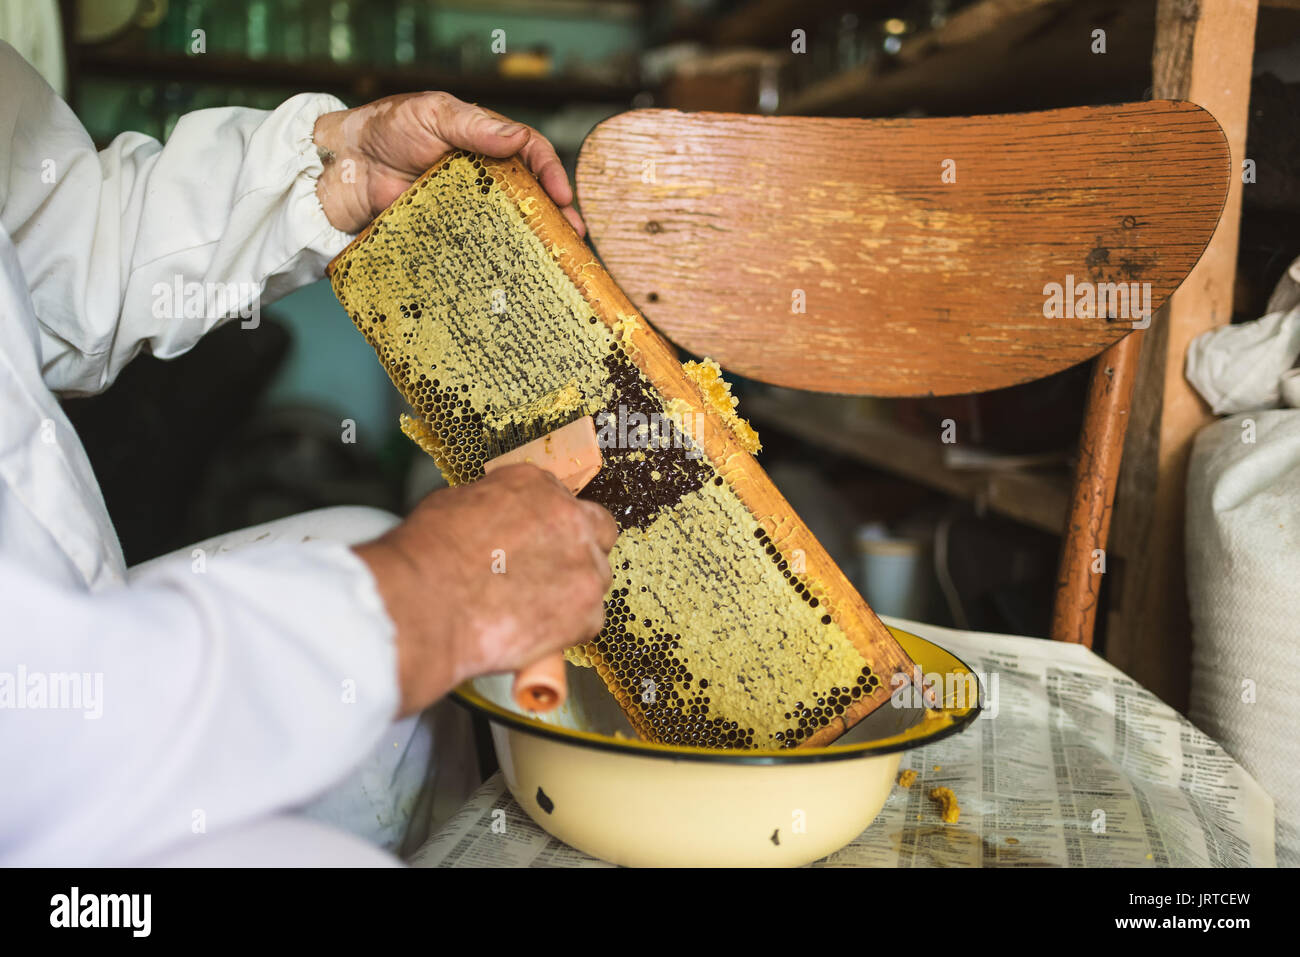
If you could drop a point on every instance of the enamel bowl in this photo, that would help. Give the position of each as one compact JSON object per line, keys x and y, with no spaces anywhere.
{"x":583,"y":775}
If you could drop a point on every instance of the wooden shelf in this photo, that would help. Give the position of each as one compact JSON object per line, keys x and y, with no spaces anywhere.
{"x":1037,"y":498}
{"x":1012,"y":54}
{"x":767,"y":23}
{"x":356,"y":81}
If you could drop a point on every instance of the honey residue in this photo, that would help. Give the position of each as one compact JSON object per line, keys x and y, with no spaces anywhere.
{"x":562,"y":404}
{"x":624,"y":328}
{"x":949,"y":810}
{"x":717,"y":393}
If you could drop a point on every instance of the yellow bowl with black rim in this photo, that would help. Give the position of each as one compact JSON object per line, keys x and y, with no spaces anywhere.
{"x":583,"y":775}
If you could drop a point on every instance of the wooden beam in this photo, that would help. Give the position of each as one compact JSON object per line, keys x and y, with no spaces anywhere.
{"x":1203,"y":53}
{"x":997,"y":55}
{"x":768,"y":23}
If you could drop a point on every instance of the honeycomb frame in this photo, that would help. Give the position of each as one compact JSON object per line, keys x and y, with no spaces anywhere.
{"x":814,"y":658}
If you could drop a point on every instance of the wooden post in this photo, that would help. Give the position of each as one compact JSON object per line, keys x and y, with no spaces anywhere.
{"x":1203,"y":53}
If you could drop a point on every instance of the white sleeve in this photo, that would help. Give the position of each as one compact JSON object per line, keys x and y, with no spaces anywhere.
{"x":188,"y":702}
{"x":151,"y":246}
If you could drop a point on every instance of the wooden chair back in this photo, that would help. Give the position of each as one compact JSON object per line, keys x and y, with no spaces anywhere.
{"x":908,"y":257}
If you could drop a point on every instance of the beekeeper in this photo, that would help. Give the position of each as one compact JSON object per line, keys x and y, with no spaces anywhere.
{"x":184,"y":712}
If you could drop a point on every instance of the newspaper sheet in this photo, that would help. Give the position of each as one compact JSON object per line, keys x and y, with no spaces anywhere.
{"x":1071,"y":764}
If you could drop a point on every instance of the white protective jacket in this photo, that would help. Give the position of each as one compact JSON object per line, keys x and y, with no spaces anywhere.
{"x":226,"y":694}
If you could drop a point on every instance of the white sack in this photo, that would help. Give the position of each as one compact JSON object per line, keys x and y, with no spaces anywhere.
{"x":1243,"y":582}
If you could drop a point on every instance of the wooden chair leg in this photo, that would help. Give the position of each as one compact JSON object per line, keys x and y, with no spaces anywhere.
{"x":1101,"y":446}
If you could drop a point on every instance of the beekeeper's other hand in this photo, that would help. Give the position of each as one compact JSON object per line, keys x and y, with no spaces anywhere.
{"x":374,"y":152}
{"x":488,"y":577}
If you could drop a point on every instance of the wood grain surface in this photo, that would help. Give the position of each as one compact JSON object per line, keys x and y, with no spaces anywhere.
{"x":1092,"y":499}
{"x":721,"y":227}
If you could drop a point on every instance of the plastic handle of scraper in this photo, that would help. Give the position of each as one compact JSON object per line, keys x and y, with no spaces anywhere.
{"x":540,"y":687}
{"x":572,"y":454}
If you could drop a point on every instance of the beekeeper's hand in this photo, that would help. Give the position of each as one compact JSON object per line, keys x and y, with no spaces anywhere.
{"x":488,"y":577}
{"x":374,"y":152}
